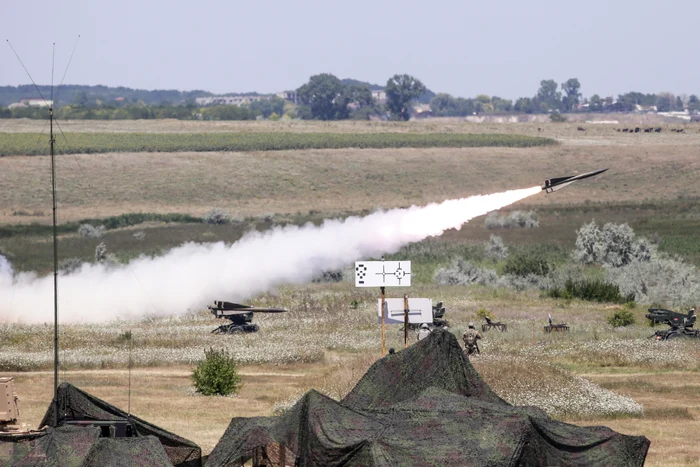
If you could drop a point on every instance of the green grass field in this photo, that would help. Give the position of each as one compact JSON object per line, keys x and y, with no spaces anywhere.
{"x":92,"y":143}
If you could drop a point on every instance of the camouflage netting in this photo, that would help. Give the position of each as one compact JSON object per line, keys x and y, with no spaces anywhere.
{"x":75,"y":404}
{"x":425,"y":405}
{"x":72,"y":446}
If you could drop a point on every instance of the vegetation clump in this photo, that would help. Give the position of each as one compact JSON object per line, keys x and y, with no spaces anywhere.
{"x":217,"y":374}
{"x":462,"y":272}
{"x":91,"y":231}
{"x":522,"y":219}
{"x":621,"y":318}
{"x":523,"y":265}
{"x":216,"y":216}
{"x":495,"y":249}
{"x":591,"y":290}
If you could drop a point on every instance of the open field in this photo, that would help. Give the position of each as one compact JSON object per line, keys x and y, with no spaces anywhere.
{"x":595,"y":374}
{"x":332,"y":181}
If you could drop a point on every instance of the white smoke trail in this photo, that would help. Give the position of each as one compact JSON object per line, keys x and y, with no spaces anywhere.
{"x":193,"y":275}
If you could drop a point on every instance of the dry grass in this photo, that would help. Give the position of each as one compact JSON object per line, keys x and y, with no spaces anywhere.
{"x":333,"y":180}
{"x":672,"y":418}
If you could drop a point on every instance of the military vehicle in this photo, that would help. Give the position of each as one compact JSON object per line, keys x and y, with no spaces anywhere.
{"x":439,"y":321}
{"x":681,"y":324}
{"x":240,"y":317}
{"x":9,"y":409}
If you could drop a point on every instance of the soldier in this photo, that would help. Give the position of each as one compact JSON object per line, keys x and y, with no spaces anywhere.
{"x":470,"y":338}
{"x":424,"y":331}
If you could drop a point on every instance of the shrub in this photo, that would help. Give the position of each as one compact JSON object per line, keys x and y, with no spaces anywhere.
{"x":216,"y":216}
{"x":556,"y":117}
{"x":524,"y":219}
{"x":621,"y":318}
{"x":523,"y":265}
{"x":667,"y":281}
{"x":615,"y":245}
{"x":329,"y":276}
{"x":68,"y":265}
{"x":90,"y":231}
{"x":463,"y":272}
{"x":483,"y":313}
{"x":591,"y":290}
{"x":217,"y":374}
{"x":496,"y":249}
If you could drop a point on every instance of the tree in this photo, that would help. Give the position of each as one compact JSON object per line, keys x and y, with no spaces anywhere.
{"x":573,"y":95}
{"x":524,"y":104}
{"x":596,"y":103}
{"x":547,"y":96}
{"x":444,"y":105}
{"x":400,"y":91}
{"x":679,"y":104}
{"x":267,"y":107}
{"x":693,"y":103}
{"x":324,"y":97}
{"x":664,"y":102}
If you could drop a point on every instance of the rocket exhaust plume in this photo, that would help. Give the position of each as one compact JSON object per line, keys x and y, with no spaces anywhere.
{"x":193,"y":275}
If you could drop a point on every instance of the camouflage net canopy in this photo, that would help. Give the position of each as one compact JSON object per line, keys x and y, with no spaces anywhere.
{"x":72,"y":446}
{"x":75,"y":404}
{"x":425,"y":405}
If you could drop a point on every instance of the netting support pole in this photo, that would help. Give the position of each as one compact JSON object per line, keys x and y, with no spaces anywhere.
{"x":405,"y":320}
{"x":383,"y":321}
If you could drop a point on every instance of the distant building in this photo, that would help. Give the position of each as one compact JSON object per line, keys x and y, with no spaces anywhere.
{"x":379,"y":95}
{"x":290,"y":96}
{"x":228,"y":100}
{"x":32,"y":102}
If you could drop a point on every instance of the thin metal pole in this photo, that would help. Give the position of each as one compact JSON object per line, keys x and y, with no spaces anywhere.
{"x":405,"y":320}
{"x":383,"y":323}
{"x":55,"y":272}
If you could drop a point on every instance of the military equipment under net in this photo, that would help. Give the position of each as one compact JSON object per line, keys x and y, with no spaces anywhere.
{"x":681,"y":324}
{"x":240,"y":316}
{"x":493,"y":325}
{"x":420,"y":406}
{"x":561,"y":327}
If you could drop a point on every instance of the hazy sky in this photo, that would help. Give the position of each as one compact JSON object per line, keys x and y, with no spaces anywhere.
{"x":457,"y":46}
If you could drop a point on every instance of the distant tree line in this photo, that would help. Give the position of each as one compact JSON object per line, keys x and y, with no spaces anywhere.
{"x":326,"y":97}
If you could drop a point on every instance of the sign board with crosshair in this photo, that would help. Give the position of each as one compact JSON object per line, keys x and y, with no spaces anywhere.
{"x":420,"y":310}
{"x":382,"y":274}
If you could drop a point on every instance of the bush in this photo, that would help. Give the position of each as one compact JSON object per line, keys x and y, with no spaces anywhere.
{"x":592,"y":291}
{"x":216,"y":216}
{"x":621,"y":318}
{"x":463,"y":272}
{"x":495,"y":248}
{"x":90,"y":231}
{"x":615,"y":245}
{"x":523,"y":265}
{"x":556,"y":117}
{"x":483,"y":313}
{"x":669,"y":281}
{"x":514,"y":219}
{"x":217,"y":374}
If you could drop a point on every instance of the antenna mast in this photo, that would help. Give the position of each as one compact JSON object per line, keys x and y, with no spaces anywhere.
{"x":52,"y":140}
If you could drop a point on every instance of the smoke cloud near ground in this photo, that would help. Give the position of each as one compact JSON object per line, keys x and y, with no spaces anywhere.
{"x":193,"y":275}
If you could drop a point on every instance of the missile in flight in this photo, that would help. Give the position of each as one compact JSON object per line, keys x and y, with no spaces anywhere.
{"x":554,"y":184}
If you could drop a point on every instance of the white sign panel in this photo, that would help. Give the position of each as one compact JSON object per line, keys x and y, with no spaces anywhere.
{"x":420,"y":310}
{"x":382,"y":274}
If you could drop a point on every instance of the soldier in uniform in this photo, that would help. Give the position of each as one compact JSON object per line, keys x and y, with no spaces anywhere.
{"x":470,"y":338}
{"x":424,"y":331}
